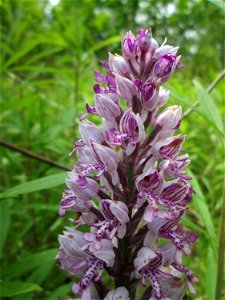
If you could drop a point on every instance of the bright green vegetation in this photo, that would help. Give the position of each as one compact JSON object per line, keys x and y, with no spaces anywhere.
{"x":48,"y":57}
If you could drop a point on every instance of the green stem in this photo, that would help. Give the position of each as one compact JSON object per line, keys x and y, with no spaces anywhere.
{"x":221,"y":248}
{"x":124,"y":276}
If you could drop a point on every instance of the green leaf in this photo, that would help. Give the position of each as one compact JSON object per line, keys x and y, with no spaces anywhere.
{"x":35,"y":185}
{"x":110,"y":41}
{"x":41,"y":206}
{"x":18,"y":104}
{"x":26,"y":49}
{"x":208,"y":108}
{"x":47,"y":53}
{"x":13,"y":288}
{"x":28,"y":263}
{"x":193,"y":226}
{"x":210,"y":274}
{"x":53,"y":39}
{"x":41,"y":273}
{"x":201,"y":207}
{"x":63,"y":290}
{"x":219,"y":3}
{"x":4,"y":223}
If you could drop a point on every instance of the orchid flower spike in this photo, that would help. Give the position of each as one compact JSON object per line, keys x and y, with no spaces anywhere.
{"x":128,"y":191}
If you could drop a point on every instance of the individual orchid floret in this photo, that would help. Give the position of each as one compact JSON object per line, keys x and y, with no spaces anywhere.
{"x":108,"y":158}
{"x":173,"y":231}
{"x":84,"y":190}
{"x":132,"y":125}
{"x":77,"y":256}
{"x":128,"y":190}
{"x":116,"y":217}
{"x":94,"y":261}
{"x":117,"y":211}
{"x":174,"y":167}
{"x":70,"y":201}
{"x":169,"y":147}
{"x":148,"y":265}
{"x":131,"y":132}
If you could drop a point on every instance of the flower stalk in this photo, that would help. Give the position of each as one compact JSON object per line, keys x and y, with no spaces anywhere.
{"x":129,"y":184}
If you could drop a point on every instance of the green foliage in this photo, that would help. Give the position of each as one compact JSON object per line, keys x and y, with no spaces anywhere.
{"x":48,"y":54}
{"x":35,"y":185}
{"x":13,"y":288}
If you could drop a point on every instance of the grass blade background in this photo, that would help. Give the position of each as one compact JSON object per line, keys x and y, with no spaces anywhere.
{"x":14,"y":288}
{"x":35,"y":185}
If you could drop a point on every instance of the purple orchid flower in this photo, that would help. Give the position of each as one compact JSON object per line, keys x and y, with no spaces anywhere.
{"x":128,"y":185}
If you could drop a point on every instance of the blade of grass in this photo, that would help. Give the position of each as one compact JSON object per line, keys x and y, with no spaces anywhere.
{"x":221,"y":249}
{"x":4,"y":223}
{"x":202,"y":208}
{"x":13,"y":288}
{"x":210,"y":273}
{"x":208,"y":107}
{"x":28,"y":263}
{"x":35,"y":185}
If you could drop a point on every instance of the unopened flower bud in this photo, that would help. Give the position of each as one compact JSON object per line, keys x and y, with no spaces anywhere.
{"x":169,"y":118}
{"x":89,"y":131}
{"x":125,"y":88}
{"x":163,"y":50}
{"x":106,"y":107}
{"x":128,"y":45}
{"x":118,"y":65}
{"x":165,"y":66}
{"x":144,"y":39}
{"x":148,"y":91}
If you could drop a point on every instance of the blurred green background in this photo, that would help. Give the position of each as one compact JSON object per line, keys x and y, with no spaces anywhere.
{"x":49,"y":50}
